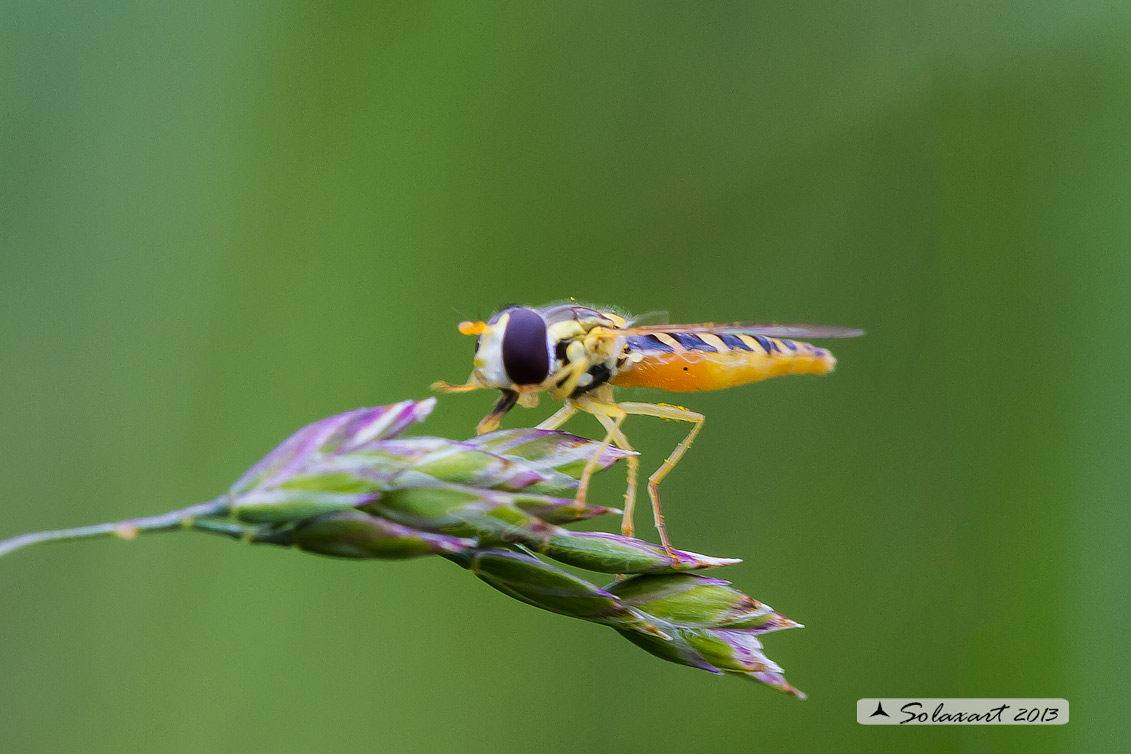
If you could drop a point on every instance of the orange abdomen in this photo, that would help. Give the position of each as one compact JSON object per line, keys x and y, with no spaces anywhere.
{"x":686,"y":362}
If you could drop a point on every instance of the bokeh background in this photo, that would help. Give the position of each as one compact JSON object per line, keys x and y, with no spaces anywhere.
{"x":220,"y":221}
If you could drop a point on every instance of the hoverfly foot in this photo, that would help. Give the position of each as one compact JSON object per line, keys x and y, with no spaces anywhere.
{"x":446,"y":387}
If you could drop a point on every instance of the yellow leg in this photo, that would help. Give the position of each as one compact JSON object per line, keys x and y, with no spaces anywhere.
{"x":615,"y":416}
{"x":560,"y":417}
{"x":571,"y":373}
{"x":445,"y":387}
{"x":627,"y":528}
{"x":677,"y":414}
{"x":614,"y":434}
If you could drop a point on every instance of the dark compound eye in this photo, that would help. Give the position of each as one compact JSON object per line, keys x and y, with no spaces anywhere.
{"x":526,"y":358}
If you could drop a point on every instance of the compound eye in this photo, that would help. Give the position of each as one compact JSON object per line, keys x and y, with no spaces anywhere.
{"x":526,"y":357}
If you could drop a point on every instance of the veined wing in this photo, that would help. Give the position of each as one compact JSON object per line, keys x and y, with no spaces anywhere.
{"x":745,"y":328}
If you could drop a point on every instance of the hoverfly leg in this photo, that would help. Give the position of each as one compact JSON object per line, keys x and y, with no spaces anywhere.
{"x":615,"y":416}
{"x":627,"y":528}
{"x":446,"y":387}
{"x":565,"y":380}
{"x":560,"y":417}
{"x":491,"y":421}
{"x":676,"y":414}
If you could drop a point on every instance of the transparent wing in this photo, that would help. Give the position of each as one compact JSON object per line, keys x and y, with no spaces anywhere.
{"x":649,"y":319}
{"x":749,"y":328}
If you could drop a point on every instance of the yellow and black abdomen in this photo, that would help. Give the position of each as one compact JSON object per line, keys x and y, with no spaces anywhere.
{"x":682,"y":361}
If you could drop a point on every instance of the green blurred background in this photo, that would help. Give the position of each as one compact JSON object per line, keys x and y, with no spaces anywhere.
{"x":219,"y":222}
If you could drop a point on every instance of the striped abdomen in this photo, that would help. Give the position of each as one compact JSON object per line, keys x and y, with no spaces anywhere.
{"x":681,"y":361}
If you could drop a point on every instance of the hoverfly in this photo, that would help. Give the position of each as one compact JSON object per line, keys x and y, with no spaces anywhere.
{"x":578,"y":353}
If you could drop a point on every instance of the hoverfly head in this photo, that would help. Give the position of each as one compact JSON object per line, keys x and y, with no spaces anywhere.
{"x":512,"y":348}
